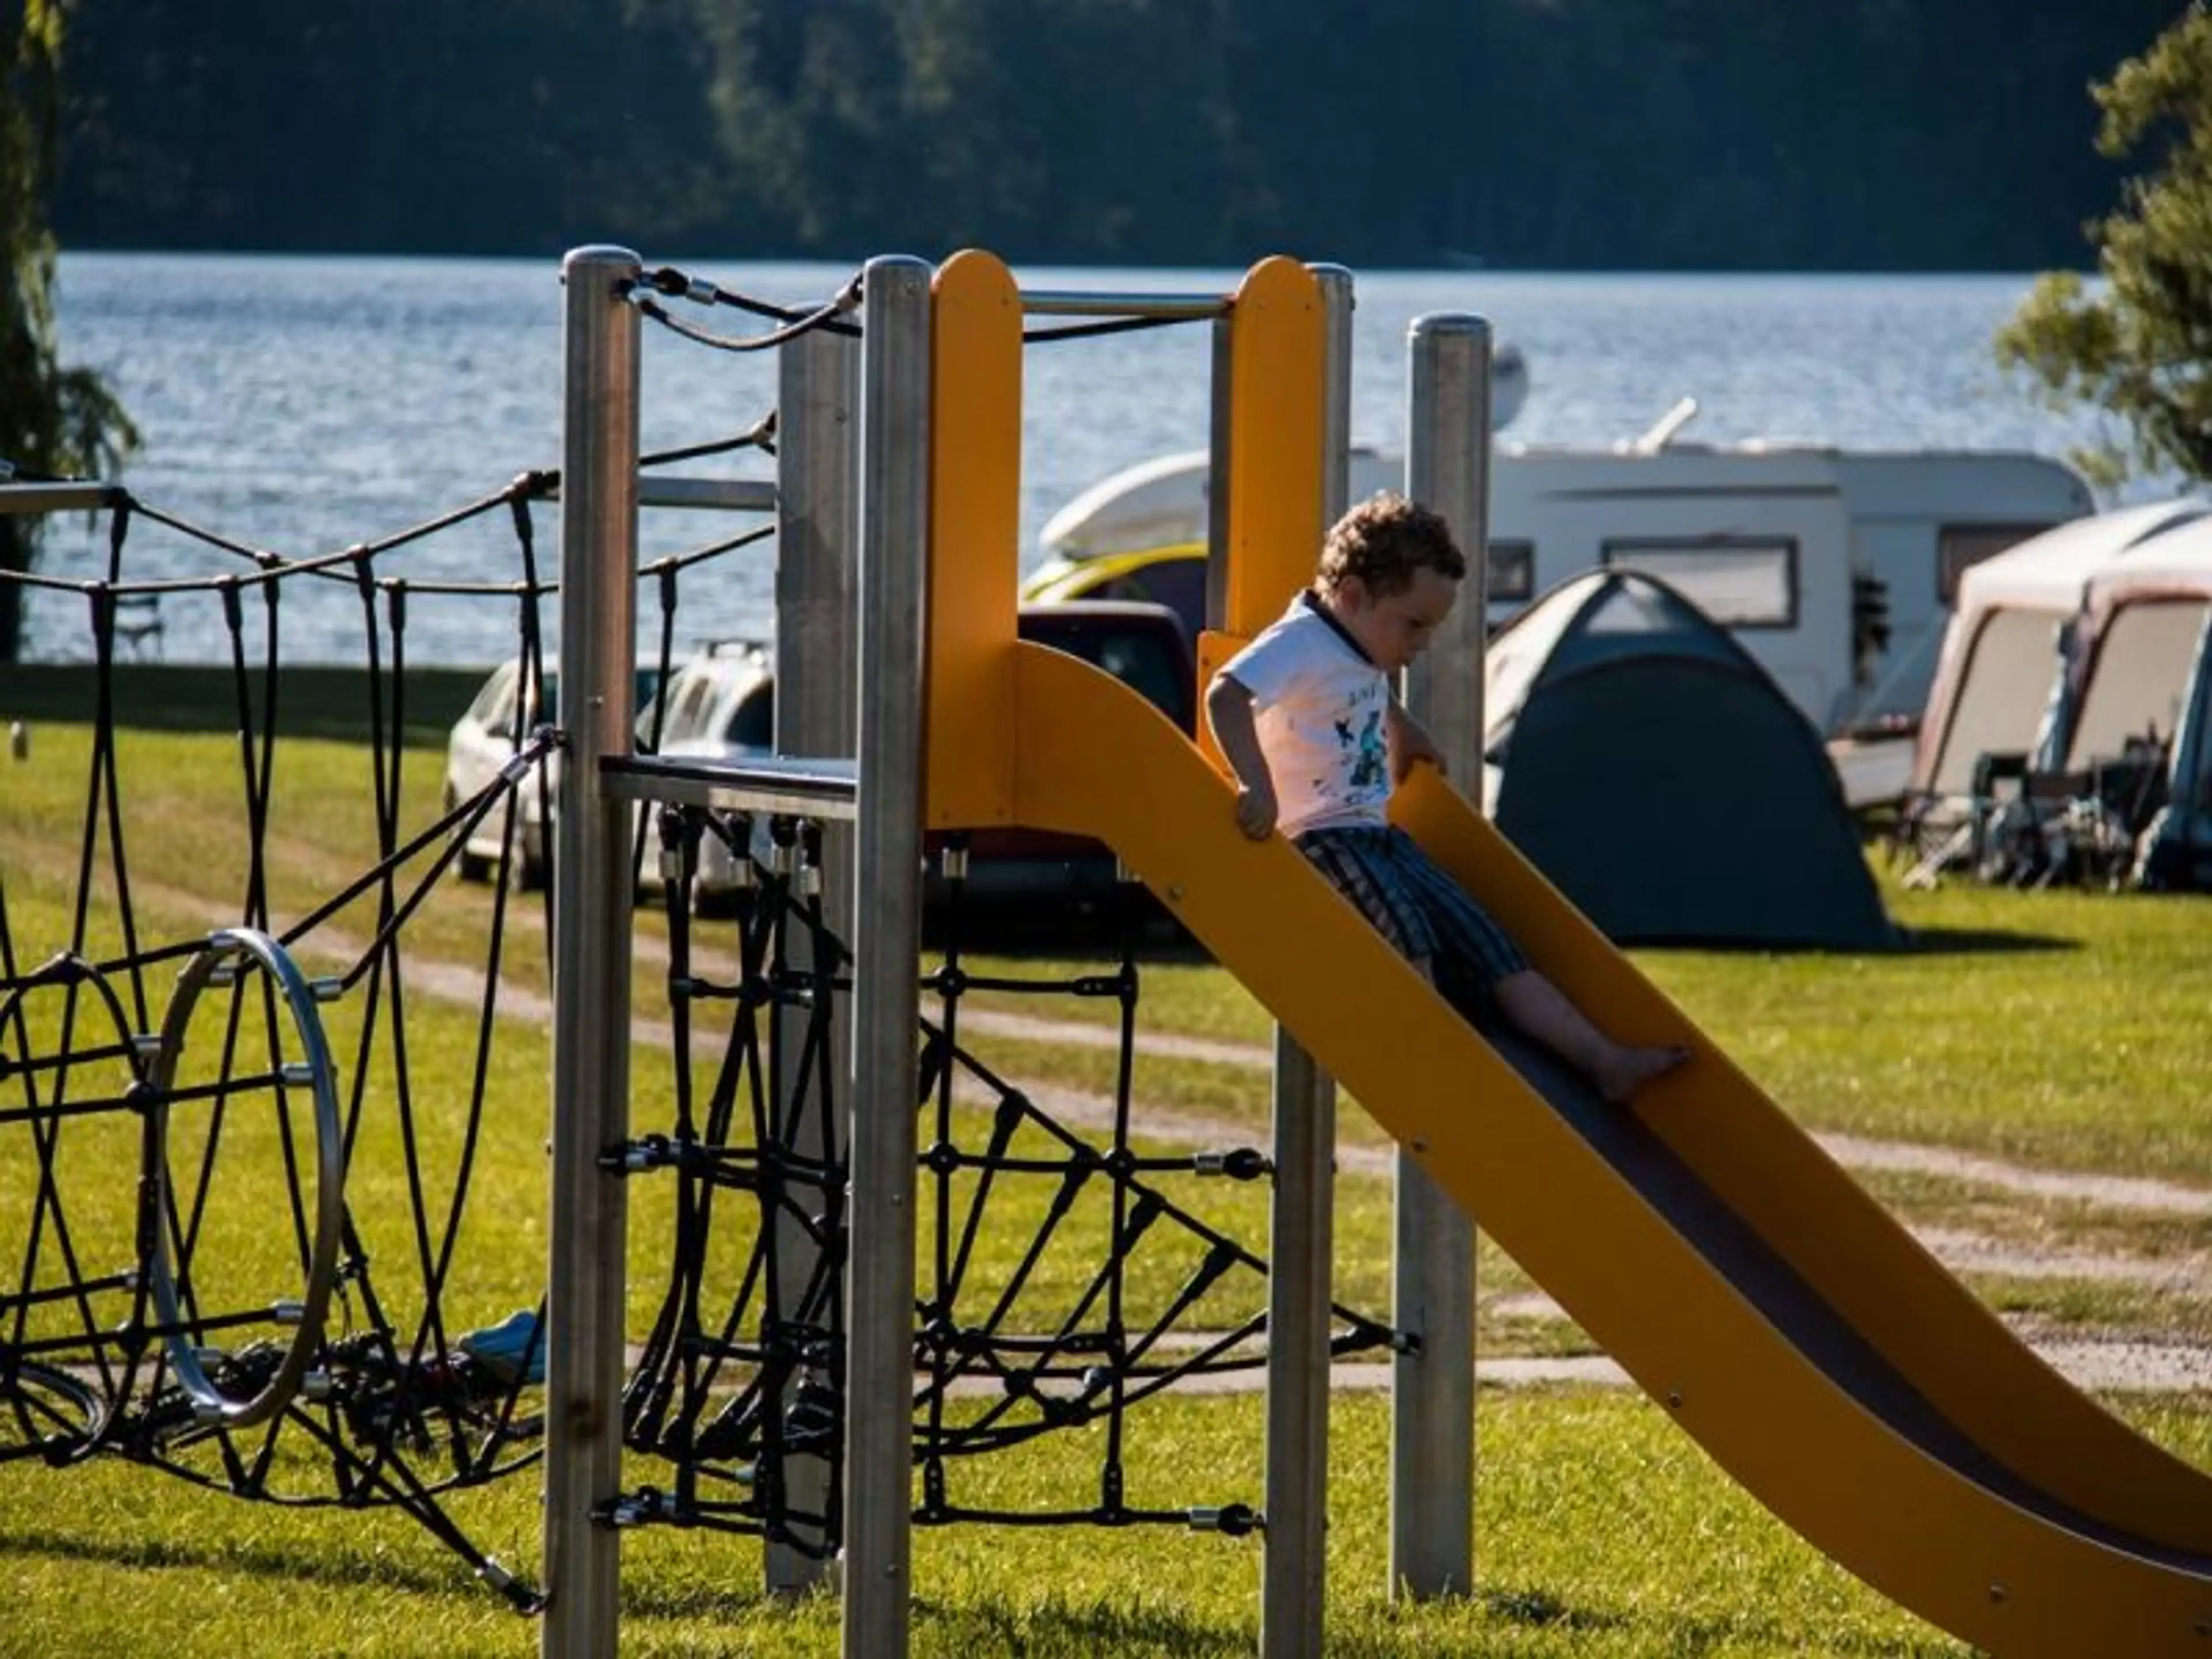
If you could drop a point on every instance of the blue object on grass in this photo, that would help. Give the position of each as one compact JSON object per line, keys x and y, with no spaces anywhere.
{"x":511,"y":1348}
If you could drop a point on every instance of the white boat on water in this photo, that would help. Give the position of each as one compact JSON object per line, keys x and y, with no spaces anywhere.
{"x":1836,"y":568}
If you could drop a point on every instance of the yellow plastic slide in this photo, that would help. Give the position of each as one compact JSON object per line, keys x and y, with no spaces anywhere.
{"x":1810,"y":1345}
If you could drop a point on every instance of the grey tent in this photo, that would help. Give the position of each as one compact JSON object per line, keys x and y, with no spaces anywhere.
{"x":1664,"y":783}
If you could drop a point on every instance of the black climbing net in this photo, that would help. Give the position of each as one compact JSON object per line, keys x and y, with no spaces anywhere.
{"x":272,"y":1109}
{"x":1114,"y":1290}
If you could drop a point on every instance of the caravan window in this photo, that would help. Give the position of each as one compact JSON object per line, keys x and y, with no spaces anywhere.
{"x":1512,"y":570}
{"x":1739,"y":584}
{"x":1961,"y":547}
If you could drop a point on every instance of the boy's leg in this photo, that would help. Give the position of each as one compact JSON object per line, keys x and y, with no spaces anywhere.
{"x":1472,"y":948}
{"x":1432,"y":922}
{"x":1547,"y":1014}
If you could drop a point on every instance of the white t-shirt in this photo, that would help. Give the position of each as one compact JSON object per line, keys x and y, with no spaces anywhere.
{"x":1319,"y":705}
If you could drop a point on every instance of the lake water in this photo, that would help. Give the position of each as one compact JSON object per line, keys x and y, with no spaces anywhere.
{"x":304,"y":405}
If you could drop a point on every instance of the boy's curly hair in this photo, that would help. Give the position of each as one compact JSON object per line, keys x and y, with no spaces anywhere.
{"x":1383,"y":541}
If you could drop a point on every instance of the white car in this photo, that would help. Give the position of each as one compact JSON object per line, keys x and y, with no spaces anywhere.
{"x":487,"y":736}
{"x":719,"y":703}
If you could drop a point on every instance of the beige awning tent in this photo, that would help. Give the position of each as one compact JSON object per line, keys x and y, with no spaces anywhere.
{"x":2001,"y":657}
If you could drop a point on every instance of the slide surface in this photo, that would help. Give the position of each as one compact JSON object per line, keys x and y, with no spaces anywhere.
{"x":1784,"y":1319}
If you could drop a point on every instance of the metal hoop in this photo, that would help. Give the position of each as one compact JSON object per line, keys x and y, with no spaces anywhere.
{"x":210,"y":1404}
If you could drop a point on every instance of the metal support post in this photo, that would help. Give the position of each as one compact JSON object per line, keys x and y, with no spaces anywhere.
{"x":1432,"y":1386}
{"x":584,"y":1336}
{"x":895,"y":484}
{"x":817,"y":528}
{"x":1293,"y":1590}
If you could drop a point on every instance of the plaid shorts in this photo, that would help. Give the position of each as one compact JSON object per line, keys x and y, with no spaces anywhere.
{"x":1425,"y":915}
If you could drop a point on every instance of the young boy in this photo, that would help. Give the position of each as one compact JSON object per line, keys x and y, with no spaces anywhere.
{"x":1306,"y":719}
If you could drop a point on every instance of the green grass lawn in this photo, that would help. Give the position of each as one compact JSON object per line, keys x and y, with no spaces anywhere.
{"x":1600,"y":1531}
{"x":2059,"y":1031}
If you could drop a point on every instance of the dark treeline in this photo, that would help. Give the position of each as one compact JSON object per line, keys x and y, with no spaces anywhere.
{"x":1638,"y":134}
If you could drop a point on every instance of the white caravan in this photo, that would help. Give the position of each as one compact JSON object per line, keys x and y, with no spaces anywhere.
{"x":1777,"y":541}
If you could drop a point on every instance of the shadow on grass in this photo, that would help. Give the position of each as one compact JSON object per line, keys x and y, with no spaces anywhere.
{"x":990,"y":1625}
{"x":1050,"y":1629}
{"x":1054,"y":1627}
{"x":1542,"y":1610}
{"x":339,"y":1569}
{"x":1977,"y":941}
{"x":1522,"y":1608}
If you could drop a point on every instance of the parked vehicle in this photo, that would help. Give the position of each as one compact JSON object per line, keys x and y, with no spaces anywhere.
{"x":720,"y":704}
{"x":490,"y":731}
{"x":724,"y":705}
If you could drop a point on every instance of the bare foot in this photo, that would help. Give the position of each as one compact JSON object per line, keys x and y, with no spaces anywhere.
{"x":1630,"y":1069}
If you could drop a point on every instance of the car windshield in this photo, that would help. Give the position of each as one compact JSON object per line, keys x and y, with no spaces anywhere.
{"x":753,"y":722}
{"x":1139,"y":659}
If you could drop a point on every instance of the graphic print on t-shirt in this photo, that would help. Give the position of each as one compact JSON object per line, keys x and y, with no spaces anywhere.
{"x":1372,"y":754}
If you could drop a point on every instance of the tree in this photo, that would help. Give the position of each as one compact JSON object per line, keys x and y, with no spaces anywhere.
{"x":2139,"y":343}
{"x":54,"y":421}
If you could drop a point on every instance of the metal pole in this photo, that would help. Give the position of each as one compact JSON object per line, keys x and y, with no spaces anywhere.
{"x":1294,"y":1580}
{"x":1221,"y":431}
{"x":818,"y":511}
{"x":895,"y":372}
{"x":1432,"y":1386}
{"x":1337,"y":298}
{"x":584,"y":1337}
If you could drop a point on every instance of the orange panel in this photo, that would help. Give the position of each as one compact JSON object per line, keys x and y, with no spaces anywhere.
{"x":1213,"y":650}
{"x":975,"y":527}
{"x":1278,"y":349}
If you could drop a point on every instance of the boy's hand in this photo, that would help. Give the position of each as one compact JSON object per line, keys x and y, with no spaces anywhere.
{"x":1255,"y":812}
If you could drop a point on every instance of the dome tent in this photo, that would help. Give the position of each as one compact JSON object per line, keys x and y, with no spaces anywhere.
{"x":1662,"y":781}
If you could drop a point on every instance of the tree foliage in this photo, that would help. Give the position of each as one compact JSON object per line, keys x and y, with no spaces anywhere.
{"x":1932,"y":135}
{"x":54,"y":421}
{"x":2138,"y":343}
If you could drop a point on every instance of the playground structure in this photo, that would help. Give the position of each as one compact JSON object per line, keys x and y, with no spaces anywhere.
{"x":1799,"y":1334}
{"x":938,"y":467}
{"x":1795,"y":1330}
